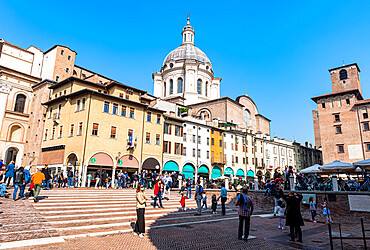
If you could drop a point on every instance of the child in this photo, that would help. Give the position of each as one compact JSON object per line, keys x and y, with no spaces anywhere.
{"x":326,"y":212}
{"x":204,"y":199}
{"x":182,"y":202}
{"x":214,"y":204}
{"x":280,"y":212}
{"x":312,"y":209}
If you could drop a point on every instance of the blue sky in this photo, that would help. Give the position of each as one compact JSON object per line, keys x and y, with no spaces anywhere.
{"x":277,"y":51}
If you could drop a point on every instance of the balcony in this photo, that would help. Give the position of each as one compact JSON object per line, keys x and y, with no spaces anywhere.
{"x":217,"y":160}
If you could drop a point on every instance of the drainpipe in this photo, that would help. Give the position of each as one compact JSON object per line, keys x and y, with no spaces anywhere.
{"x":85,"y":142}
{"x":359,"y":126}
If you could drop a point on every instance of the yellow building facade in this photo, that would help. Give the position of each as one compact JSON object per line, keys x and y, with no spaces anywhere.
{"x":92,"y":126}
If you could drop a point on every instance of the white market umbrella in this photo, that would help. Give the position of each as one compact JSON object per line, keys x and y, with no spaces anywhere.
{"x":337,"y":166}
{"x":365,"y":164}
{"x":311,"y":170}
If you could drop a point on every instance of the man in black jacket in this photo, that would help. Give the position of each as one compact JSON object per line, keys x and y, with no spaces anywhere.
{"x":47,"y":173}
{"x":19,"y":182}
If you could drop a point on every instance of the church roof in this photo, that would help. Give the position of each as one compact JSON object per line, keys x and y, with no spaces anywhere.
{"x":187,"y":52}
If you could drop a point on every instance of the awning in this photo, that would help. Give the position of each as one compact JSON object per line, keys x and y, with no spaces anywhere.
{"x":171,"y":166}
{"x":188,"y":171}
{"x":216,"y":172}
{"x":240,"y":172}
{"x":203,"y":170}
{"x":250,"y":173}
{"x":229,"y":171}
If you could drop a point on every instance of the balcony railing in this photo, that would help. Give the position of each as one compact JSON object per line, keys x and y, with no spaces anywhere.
{"x":218,"y":160}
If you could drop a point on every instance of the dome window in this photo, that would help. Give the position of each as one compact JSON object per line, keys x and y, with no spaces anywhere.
{"x":179,"y":85}
{"x":199,"y":86}
{"x":171,"y":65}
{"x":207,"y":67}
{"x":171,"y":87}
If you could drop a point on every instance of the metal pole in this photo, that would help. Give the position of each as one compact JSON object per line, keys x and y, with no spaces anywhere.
{"x":340,"y":234}
{"x":330,"y":237}
{"x":363,"y":232}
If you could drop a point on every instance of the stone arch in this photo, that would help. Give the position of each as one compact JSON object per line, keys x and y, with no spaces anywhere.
{"x":259,"y":175}
{"x":188,"y":170}
{"x":101,"y":158}
{"x":15,"y":132}
{"x":71,"y":159}
{"x":204,"y":114}
{"x":151,"y":163}
{"x":128,"y":161}
{"x":10,"y":154}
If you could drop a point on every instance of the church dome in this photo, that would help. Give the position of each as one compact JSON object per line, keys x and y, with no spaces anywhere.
{"x":187,"y":51}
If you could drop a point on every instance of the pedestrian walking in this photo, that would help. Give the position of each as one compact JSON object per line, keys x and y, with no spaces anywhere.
{"x":293,"y":215}
{"x":27,"y":179}
{"x":198,"y":197}
{"x":158,"y":193}
{"x":9,"y":173}
{"x":97,"y":178}
{"x":245,"y":212}
{"x":19,"y":183}
{"x":89,"y":176}
{"x":140,"y":211}
{"x":70,"y":178}
{"x":223,"y":197}
{"x":326,"y":212}
{"x":47,"y":174}
{"x":280,"y":213}
{"x":2,"y":190}
{"x":214,"y":204}
{"x":278,"y":197}
{"x":204,"y":200}
{"x":37,"y":179}
{"x":188,"y":188}
{"x":312,"y":209}
{"x":104,"y":177}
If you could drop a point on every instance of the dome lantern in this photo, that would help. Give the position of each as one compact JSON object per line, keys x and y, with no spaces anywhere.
{"x":188,"y":33}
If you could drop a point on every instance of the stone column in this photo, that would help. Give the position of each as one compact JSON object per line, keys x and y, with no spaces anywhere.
{"x":227,"y":183}
{"x":113,"y":177}
{"x":291,"y":182}
{"x":84,"y":175}
{"x":180,"y":181}
{"x":335,"y":182}
{"x":255,"y":184}
{"x":202,"y":181}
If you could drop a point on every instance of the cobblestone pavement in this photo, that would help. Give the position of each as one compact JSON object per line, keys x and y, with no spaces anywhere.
{"x":102,"y":219}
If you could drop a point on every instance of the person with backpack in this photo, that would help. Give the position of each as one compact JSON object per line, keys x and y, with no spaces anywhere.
{"x":19,"y":181}
{"x":293,"y":215}
{"x":27,"y":179}
{"x":47,"y":174}
{"x":223,"y":197}
{"x":245,"y":212}
{"x":198,"y":197}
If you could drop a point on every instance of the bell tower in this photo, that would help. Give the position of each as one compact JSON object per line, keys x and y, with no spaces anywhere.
{"x":345,"y":78}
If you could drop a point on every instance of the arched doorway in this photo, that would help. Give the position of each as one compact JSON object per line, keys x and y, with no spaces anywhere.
{"x":151,"y":164}
{"x":216,"y":172}
{"x":250,"y":174}
{"x":11,"y":155}
{"x":240,"y":172}
{"x":267,"y":176}
{"x":128,"y":163}
{"x":188,"y":171}
{"x":259,"y":175}
{"x":228,"y":171}
{"x":100,"y":161}
{"x":203,"y":171}
{"x":171,"y":166}
{"x":71,"y":162}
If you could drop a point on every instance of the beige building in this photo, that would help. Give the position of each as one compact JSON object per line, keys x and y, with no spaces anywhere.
{"x":91,"y":126}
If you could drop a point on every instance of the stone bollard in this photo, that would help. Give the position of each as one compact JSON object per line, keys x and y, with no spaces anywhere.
{"x":180,"y":181}
{"x":255,"y":184}
{"x":335,"y":183}
{"x":291,"y":182}
{"x":227,"y":183}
